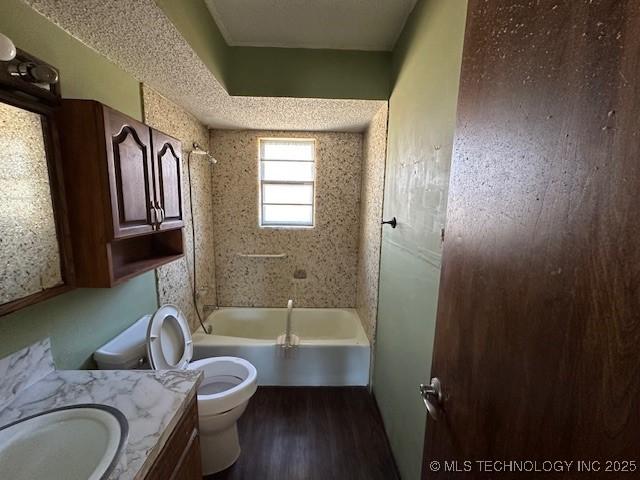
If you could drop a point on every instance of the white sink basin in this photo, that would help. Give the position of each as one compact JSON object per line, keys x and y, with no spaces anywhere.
{"x":80,"y":442}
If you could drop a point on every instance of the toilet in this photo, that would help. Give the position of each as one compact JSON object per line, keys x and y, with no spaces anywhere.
{"x":162,"y":341}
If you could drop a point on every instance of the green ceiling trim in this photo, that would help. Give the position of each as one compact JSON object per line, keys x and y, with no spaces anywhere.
{"x":195,"y":24}
{"x":280,"y":72}
{"x":297,"y":72}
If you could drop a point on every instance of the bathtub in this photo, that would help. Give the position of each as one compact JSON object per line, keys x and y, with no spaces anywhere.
{"x":334,"y":349}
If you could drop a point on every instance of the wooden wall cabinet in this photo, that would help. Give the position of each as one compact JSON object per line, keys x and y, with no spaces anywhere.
{"x":180,"y":457}
{"x":124,"y":186}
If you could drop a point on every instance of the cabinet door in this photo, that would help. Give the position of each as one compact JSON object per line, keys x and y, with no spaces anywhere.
{"x":190,"y":463}
{"x":180,"y":457}
{"x":167,"y":157}
{"x":130,"y":175}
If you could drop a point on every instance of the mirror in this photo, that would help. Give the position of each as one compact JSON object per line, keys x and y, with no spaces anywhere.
{"x":29,"y":251}
{"x":35,"y":258}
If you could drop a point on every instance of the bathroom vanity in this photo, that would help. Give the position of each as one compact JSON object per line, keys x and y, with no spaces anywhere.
{"x":160,"y":408}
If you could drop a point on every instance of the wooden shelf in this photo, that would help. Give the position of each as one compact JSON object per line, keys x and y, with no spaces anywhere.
{"x":136,"y":255}
{"x":130,"y":270}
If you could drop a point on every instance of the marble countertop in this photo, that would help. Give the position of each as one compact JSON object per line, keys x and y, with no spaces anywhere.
{"x":152,"y":401}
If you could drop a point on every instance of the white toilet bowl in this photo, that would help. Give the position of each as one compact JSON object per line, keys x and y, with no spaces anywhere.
{"x":223,"y":395}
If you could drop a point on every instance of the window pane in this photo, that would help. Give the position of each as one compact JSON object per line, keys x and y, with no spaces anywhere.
{"x":287,"y":215}
{"x":287,"y":150}
{"x":287,"y":193}
{"x":287,"y":171}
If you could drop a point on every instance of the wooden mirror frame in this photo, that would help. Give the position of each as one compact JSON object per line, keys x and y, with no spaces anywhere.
{"x":27,"y":96}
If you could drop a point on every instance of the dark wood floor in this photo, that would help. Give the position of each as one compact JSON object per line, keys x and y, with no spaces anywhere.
{"x":304,"y":433}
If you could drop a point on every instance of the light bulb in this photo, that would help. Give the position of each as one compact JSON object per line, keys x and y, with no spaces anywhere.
{"x":7,"y":49}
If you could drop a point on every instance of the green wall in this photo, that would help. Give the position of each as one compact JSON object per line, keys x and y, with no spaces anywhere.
{"x":79,"y":321}
{"x":426,"y":67}
{"x":280,"y":72}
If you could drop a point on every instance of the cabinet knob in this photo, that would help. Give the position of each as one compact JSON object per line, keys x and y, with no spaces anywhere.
{"x":154,"y":214}
{"x":159,"y":214}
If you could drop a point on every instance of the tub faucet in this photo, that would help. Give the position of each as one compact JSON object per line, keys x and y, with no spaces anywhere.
{"x":287,"y":333}
{"x":287,"y":340}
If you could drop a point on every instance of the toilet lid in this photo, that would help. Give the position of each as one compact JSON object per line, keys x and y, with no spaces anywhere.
{"x":169,"y":344}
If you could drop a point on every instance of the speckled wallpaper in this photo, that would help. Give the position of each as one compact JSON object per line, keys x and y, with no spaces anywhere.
{"x":328,"y":252}
{"x":29,"y":253}
{"x":373,"y":163}
{"x":175,"y":280}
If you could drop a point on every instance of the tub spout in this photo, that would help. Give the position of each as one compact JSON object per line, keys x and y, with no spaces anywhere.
{"x":288,"y":340}
{"x":287,"y":333}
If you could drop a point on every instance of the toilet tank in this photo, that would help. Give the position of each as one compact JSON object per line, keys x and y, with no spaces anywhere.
{"x":126,"y":351}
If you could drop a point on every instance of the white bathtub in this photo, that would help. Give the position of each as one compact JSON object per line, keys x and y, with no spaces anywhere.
{"x":333,"y":350}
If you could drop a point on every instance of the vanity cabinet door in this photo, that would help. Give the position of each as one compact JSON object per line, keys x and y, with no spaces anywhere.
{"x":180,"y":457}
{"x":130,"y":172}
{"x":167,"y":164}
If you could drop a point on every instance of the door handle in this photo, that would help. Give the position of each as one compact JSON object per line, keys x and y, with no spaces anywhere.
{"x":393,"y":222}
{"x":432,"y":397}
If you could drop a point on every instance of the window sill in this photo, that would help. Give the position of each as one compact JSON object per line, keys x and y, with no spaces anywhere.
{"x":288,"y":227}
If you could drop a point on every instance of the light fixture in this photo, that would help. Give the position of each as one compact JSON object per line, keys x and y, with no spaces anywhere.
{"x":7,"y":49}
{"x":32,"y":72}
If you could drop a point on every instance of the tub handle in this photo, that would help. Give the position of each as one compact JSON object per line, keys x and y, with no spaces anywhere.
{"x":261,"y":255}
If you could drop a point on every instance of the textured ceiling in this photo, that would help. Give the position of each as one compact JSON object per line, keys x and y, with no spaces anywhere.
{"x":334,"y":24}
{"x":139,"y":38}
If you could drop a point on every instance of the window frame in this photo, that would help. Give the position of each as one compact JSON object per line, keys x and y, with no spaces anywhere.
{"x":262,"y":183}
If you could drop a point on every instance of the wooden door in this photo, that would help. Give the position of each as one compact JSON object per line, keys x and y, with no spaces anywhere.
{"x":167,"y":155}
{"x":130,"y":174}
{"x":538,"y":329}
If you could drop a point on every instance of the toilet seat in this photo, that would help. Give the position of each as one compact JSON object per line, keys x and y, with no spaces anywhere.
{"x":169,"y":343}
{"x":228,"y":381}
{"x":225,"y":370}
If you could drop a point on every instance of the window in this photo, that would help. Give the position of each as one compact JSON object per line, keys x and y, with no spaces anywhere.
{"x":287,"y":176}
